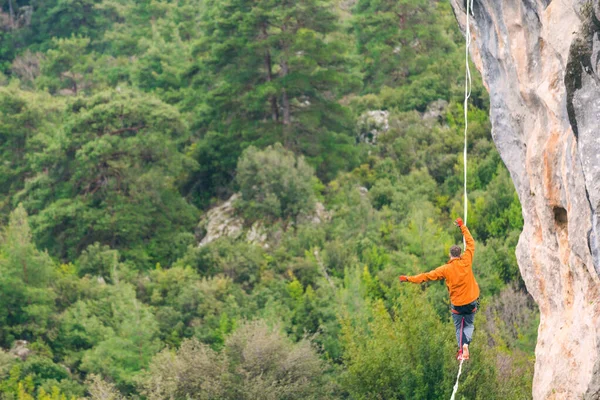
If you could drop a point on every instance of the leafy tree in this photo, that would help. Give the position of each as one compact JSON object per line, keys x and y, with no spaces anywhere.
{"x":400,"y":40}
{"x":275,"y":183}
{"x":402,"y":357}
{"x":25,"y":389}
{"x":81,"y":328}
{"x":238,"y":261}
{"x":111,"y":179}
{"x":423,"y":238}
{"x":200,"y":366}
{"x":99,"y":260}
{"x":187,"y":305}
{"x":407,"y":352}
{"x":23,"y":115}
{"x":49,"y":378}
{"x":309,"y":309}
{"x":163,"y":66}
{"x":257,"y":362}
{"x":177,"y":298}
{"x":100,"y":389}
{"x":25,"y":277}
{"x":272,"y":72}
{"x":66,"y":66}
{"x":129,"y":341}
{"x":56,"y":18}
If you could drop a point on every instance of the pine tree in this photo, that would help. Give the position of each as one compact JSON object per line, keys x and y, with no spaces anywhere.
{"x":399,"y":39}
{"x":25,"y":275}
{"x":110,"y":178}
{"x":273,"y":71}
{"x":23,"y":116}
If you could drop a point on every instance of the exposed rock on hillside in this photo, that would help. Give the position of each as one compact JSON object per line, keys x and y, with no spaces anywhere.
{"x":222,"y":221}
{"x":320,"y":214}
{"x":436,"y":111}
{"x":225,"y":221}
{"x":20,"y":349}
{"x":540,"y":63}
{"x":371,"y":124}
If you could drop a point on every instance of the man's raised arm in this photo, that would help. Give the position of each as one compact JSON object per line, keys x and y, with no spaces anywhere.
{"x":470,"y":250}
{"x":435,"y":275}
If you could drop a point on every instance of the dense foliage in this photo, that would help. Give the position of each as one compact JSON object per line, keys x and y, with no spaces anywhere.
{"x":335,"y":129}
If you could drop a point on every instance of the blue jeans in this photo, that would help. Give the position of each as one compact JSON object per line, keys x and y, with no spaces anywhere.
{"x":467,"y":328}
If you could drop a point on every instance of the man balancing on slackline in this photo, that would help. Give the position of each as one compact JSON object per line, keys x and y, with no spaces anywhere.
{"x":464,"y":291}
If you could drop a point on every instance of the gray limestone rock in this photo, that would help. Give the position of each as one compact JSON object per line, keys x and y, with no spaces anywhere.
{"x":371,"y":124}
{"x":224,"y":221}
{"x":20,"y":349}
{"x":539,"y":62}
{"x":436,"y":110}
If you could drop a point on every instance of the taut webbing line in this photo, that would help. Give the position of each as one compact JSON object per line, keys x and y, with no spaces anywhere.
{"x":457,"y":378}
{"x":462,"y":326}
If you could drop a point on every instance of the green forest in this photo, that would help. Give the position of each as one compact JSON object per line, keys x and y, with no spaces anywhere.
{"x":213,"y":199}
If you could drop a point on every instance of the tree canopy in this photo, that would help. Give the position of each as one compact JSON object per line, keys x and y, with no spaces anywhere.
{"x":214,"y":199}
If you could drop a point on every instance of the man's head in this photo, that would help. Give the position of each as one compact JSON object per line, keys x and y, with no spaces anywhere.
{"x":455,"y":251}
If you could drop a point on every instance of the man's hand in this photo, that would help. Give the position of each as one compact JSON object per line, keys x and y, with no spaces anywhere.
{"x":403,"y":278}
{"x":459,"y":222}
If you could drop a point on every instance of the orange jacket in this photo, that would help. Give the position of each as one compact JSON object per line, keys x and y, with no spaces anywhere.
{"x":458,"y":273}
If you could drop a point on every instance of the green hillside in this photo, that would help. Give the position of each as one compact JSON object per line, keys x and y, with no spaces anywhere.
{"x":331,"y":130}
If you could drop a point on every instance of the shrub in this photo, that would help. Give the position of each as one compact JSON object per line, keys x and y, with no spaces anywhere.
{"x":257,"y":362}
{"x":274,"y":183}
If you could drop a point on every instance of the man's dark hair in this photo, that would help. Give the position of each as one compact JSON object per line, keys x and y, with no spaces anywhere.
{"x":455,"y":251}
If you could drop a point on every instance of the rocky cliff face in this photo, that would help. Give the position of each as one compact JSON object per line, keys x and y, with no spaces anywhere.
{"x":540,"y":60}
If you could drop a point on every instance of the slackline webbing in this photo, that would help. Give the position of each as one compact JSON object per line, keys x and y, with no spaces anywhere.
{"x":457,"y":378}
{"x":460,"y":349}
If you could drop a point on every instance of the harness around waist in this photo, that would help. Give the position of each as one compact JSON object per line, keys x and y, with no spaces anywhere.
{"x":470,"y":308}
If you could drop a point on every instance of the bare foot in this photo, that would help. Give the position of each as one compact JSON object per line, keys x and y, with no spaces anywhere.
{"x":465,"y":352}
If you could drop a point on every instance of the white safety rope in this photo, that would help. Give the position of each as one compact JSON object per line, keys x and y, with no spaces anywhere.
{"x":457,"y":378}
{"x":465,"y":106}
{"x":466,"y":103}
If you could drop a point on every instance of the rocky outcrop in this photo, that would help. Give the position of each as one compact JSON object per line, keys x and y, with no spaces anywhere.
{"x":540,"y":62}
{"x":221,"y":221}
{"x":20,"y":349}
{"x":225,"y":221}
{"x":371,"y":124}
{"x":436,"y":111}
{"x":319,"y":215}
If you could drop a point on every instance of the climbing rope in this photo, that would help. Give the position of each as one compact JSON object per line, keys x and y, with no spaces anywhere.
{"x":466,"y":103}
{"x":468,"y":82}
